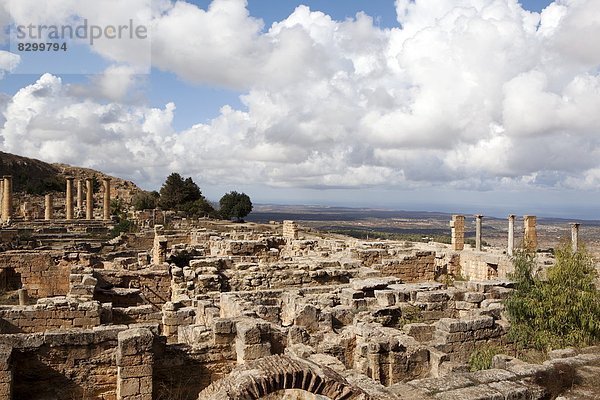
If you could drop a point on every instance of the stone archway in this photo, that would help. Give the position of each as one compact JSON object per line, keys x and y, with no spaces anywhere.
{"x":267,"y":375}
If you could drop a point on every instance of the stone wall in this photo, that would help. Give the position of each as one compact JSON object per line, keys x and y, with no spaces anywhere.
{"x":137,"y":314}
{"x":41,"y":272}
{"x":49,"y":313}
{"x":216,"y":274}
{"x":420,"y":267}
{"x":458,"y":338}
{"x":478,"y":266}
{"x":79,"y":364}
{"x":6,"y":374}
{"x":153,"y":284}
{"x":184,"y":371}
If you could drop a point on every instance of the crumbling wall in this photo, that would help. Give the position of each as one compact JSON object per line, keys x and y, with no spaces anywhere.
{"x":419,"y":267}
{"x":154,"y":284}
{"x":477,"y":266}
{"x":49,"y":313}
{"x":42,"y":273}
{"x":184,"y":371}
{"x":64,"y":365}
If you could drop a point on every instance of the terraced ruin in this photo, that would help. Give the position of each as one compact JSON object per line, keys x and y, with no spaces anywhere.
{"x":208,"y":309}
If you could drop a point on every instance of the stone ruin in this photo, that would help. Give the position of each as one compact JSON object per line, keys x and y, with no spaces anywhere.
{"x":252,"y":311}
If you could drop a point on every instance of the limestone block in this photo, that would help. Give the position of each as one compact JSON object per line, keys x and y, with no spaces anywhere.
{"x":463,"y":305}
{"x":349,"y":293}
{"x":451,"y":325}
{"x":223,"y":326}
{"x":135,"y":341}
{"x":146,"y":385}
{"x":385,"y":298}
{"x":492,"y":375}
{"x":370,"y":284}
{"x":128,"y":387}
{"x":480,"y":392}
{"x":479,"y":323}
{"x":250,"y":332}
{"x":420,"y":331}
{"x":253,"y":351}
{"x":135,"y":371}
{"x":473,"y":297}
{"x":432,"y":296}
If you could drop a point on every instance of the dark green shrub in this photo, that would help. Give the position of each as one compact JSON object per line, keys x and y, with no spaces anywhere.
{"x":561,"y":311}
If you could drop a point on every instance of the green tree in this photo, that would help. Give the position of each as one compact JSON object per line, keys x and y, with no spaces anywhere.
{"x":235,"y":205}
{"x":183,"y":195}
{"x":563,"y":310}
{"x":145,"y":200}
{"x":199,"y":208}
{"x":177,"y":191}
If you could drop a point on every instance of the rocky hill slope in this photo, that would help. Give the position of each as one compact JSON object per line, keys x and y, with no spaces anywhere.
{"x":35,"y":177}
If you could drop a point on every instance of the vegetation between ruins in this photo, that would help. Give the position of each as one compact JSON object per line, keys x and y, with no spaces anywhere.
{"x":482,"y":357}
{"x":559,"y":311}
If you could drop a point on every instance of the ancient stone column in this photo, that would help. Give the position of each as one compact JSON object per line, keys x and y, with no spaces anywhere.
{"x":7,"y":199}
{"x":159,"y":250}
{"x":106,"y":198}
{"x":79,"y":195}
{"x":69,"y":202}
{"x":89,"y":198}
{"x":49,"y":212}
{"x":1,"y":196}
{"x":478,"y":219}
{"x":530,"y":235}
{"x":511,"y":235}
{"x":23,"y":297}
{"x":575,"y":236}
{"x":458,"y":232}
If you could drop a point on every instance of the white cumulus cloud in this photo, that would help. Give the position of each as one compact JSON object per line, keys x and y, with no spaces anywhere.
{"x":467,"y":94}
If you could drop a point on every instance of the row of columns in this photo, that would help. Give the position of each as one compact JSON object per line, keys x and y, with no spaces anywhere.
{"x":7,"y":208}
{"x":529,"y":237}
{"x":89,"y":198}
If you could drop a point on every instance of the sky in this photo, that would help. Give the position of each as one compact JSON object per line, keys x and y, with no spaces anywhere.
{"x":471,"y":106}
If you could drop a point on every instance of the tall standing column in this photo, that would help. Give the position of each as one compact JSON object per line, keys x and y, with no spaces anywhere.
{"x":89,"y":198}
{"x":69,"y":201}
{"x":1,"y":197}
{"x":530,"y":236}
{"x":458,"y":232}
{"x":478,"y":219}
{"x":575,"y":237}
{"x":7,"y":199}
{"x":511,"y":234}
{"x":49,"y":212}
{"x":79,"y":195}
{"x":106,"y":198}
